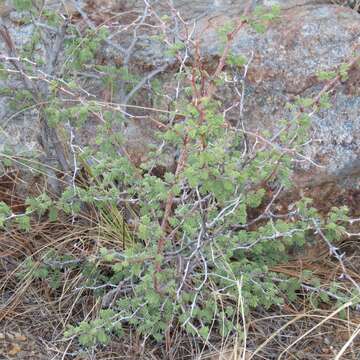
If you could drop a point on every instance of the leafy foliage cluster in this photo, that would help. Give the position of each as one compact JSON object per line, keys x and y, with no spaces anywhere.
{"x":200,"y":240}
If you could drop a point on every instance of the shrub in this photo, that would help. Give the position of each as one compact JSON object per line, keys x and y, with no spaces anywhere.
{"x":199,"y":241}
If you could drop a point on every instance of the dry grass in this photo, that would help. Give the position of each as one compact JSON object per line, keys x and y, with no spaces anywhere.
{"x":40,"y":314}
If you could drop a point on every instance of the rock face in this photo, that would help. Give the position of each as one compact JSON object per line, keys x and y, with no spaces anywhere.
{"x":311,"y":35}
{"x":307,"y":39}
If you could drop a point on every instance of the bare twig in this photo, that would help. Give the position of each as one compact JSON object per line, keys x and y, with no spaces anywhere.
{"x":36,"y":92}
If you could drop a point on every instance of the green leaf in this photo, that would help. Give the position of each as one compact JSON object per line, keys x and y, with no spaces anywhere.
{"x":324,"y":297}
{"x":5,"y":209}
{"x":326,"y":75}
{"x":102,"y":337}
{"x":3,"y":72}
{"x":23,"y":5}
{"x":24,"y":222}
{"x":204,"y":332}
{"x":344,"y":71}
{"x":53,"y":214}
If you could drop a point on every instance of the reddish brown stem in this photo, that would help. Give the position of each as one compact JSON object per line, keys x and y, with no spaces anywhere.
{"x":206,"y":90}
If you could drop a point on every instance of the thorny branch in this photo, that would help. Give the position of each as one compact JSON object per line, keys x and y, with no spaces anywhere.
{"x":334,"y":251}
{"x":126,"y":52}
{"x":206,"y":90}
